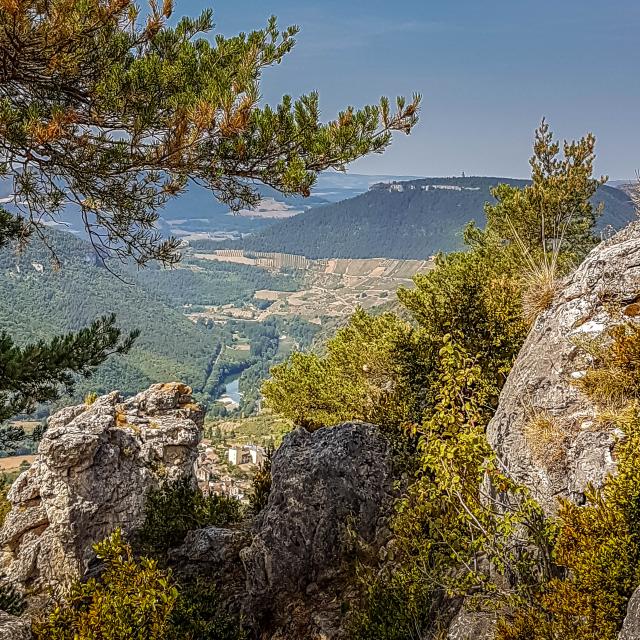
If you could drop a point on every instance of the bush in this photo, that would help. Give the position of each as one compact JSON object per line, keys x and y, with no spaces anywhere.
{"x":11,"y":600}
{"x":397,"y":604}
{"x":132,"y":600}
{"x":198,"y":616}
{"x":177,"y":508}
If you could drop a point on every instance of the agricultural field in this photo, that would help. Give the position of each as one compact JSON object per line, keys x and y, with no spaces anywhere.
{"x":329,"y":289}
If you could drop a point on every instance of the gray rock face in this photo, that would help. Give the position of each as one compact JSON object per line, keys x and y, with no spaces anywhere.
{"x":631,"y":627}
{"x":287,"y":574}
{"x":323,"y":484}
{"x":12,"y":628}
{"x":603,"y":289}
{"x":472,"y":625}
{"x":95,"y":465}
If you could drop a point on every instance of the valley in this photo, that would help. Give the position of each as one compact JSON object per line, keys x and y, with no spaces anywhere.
{"x":227,"y":313}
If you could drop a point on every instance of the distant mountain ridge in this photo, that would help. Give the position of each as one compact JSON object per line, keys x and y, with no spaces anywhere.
{"x":197,"y":213}
{"x":404,"y":220}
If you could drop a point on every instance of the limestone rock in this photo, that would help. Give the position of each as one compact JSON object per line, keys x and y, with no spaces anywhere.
{"x":95,"y":465}
{"x":285,"y":573}
{"x":324,"y":484}
{"x":631,"y":627}
{"x":472,"y":625}
{"x":12,"y":628}
{"x":603,"y":289}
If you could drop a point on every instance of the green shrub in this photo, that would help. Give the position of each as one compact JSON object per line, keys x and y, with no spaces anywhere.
{"x":5,"y":505}
{"x":177,"y":508}
{"x":11,"y":600}
{"x":397,"y":605}
{"x":132,"y":600}
{"x":198,"y":615}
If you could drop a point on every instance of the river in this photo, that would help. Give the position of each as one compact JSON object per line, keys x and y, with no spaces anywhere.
{"x":231,"y":390}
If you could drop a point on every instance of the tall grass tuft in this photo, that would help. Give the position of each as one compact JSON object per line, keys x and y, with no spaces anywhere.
{"x":541,"y":273}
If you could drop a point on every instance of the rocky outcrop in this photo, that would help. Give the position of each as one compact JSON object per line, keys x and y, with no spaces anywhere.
{"x":12,"y":628}
{"x":602,"y":291}
{"x":631,"y":627}
{"x":472,"y":625}
{"x":95,"y":465}
{"x":328,"y":487}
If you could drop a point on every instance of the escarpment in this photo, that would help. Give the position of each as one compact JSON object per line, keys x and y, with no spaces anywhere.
{"x":544,"y":430}
{"x":95,"y":465}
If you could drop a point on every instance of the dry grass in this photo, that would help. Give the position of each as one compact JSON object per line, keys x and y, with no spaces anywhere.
{"x":540,"y":290}
{"x":541,"y":274}
{"x":546,"y":438}
{"x":614,"y":378}
{"x":12,"y":463}
{"x":607,"y":388}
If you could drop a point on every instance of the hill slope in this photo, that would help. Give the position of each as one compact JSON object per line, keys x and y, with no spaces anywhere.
{"x":37,"y":301}
{"x":408,"y":220}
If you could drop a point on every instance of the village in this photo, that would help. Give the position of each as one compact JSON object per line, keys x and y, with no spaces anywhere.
{"x":228,"y":471}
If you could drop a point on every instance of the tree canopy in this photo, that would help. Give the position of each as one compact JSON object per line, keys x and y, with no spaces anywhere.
{"x":112,"y":110}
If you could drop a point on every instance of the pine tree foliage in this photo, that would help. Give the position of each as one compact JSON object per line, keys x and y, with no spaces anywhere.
{"x":108,"y":111}
{"x":114,"y":113}
{"x":38,"y":372}
{"x":556,"y":208}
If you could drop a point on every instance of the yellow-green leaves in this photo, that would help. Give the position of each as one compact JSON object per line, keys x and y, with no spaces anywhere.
{"x":132,"y":600}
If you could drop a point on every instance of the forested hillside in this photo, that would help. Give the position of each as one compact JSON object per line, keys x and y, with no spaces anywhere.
{"x":38,"y":301}
{"x":411,"y":220}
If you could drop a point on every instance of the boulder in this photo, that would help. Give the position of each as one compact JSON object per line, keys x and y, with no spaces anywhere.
{"x":13,"y":628}
{"x":631,"y":627}
{"x":600,"y":293}
{"x":288,"y":573}
{"x":327,"y":486}
{"x":95,"y":466}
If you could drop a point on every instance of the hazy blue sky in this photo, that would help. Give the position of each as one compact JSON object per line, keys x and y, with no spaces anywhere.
{"x":488,"y":71}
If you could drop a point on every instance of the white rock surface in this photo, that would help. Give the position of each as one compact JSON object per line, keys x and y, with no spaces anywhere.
{"x":95,"y":466}
{"x":12,"y":628}
{"x":602,"y":291}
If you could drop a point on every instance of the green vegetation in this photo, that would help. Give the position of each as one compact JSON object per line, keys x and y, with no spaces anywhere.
{"x":433,"y":379}
{"x":41,"y":304}
{"x":132,"y":600}
{"x":361,"y":377}
{"x":184,"y":108}
{"x":198,"y":615}
{"x":14,"y":441}
{"x":252,"y":365}
{"x":108,"y":115}
{"x":209,"y":283}
{"x":412,"y":224}
{"x":177,"y":508}
{"x":597,"y":545}
{"x":11,"y":601}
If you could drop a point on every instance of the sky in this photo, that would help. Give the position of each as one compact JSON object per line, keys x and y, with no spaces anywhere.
{"x":488,"y":72}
